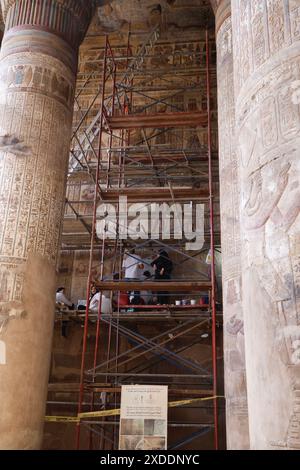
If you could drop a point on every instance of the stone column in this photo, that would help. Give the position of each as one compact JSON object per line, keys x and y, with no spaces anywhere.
{"x":234,"y":355}
{"x":38,"y":63}
{"x":267,"y":84}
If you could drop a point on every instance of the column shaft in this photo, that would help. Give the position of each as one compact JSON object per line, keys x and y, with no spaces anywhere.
{"x":237,"y":428}
{"x":267,"y":83}
{"x":38,"y":63}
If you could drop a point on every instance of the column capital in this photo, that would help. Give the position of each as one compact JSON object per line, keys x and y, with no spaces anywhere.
{"x":219,"y":3}
{"x":68,"y":19}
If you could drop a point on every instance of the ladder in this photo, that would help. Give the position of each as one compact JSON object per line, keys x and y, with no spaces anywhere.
{"x":84,"y":138}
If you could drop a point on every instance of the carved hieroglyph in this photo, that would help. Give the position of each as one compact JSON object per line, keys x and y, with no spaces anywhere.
{"x":267,"y":73}
{"x":38,"y":62}
{"x":235,"y":374}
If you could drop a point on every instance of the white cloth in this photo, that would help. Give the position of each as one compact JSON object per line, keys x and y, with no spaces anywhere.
{"x":147,"y":296}
{"x":131,"y":266}
{"x":62,"y":299}
{"x":106,"y":305}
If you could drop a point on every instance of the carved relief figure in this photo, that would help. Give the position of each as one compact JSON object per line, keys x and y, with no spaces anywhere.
{"x":45,"y":79}
{"x":270,"y":208}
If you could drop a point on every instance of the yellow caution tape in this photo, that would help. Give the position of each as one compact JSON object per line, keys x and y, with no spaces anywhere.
{"x":62,"y":419}
{"x":99,"y":414}
{"x":116,"y":412}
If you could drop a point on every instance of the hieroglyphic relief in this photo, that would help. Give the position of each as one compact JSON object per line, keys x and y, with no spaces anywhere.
{"x":289,"y":116}
{"x":35,"y":105}
{"x":235,"y":377}
{"x":37,"y":78}
{"x":260,"y":43}
{"x":295,"y":19}
{"x":276,"y":24}
{"x":268,"y":125}
{"x":242,"y":33}
{"x":39,"y":73}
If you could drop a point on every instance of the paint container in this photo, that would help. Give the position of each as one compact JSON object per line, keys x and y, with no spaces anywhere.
{"x":193,"y":302}
{"x":178,"y":302}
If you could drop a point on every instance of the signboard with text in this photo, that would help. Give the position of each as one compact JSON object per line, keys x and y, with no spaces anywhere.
{"x":144,"y":417}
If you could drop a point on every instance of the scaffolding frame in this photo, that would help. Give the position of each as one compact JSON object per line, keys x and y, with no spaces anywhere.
{"x":113,"y":123}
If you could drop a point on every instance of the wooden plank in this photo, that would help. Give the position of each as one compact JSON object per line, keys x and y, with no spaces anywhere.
{"x":173,"y":286}
{"x":145,"y":121}
{"x":167,"y":307}
{"x":99,"y":387}
{"x":155,"y":194}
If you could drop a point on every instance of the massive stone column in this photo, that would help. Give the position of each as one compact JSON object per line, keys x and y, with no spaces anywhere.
{"x":234,"y":354}
{"x":267,"y":83}
{"x":38,"y":63}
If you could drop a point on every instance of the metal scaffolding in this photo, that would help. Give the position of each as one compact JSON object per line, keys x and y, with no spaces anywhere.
{"x":145,"y":152}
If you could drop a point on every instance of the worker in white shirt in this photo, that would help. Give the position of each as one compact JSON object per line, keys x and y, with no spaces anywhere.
{"x":106,"y":304}
{"x":133,"y":267}
{"x":62,"y":299}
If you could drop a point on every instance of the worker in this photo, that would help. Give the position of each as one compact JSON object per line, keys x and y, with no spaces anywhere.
{"x":93,"y":292}
{"x":62,"y":299}
{"x":106,"y":304}
{"x":163,"y":268}
{"x":132,"y":267}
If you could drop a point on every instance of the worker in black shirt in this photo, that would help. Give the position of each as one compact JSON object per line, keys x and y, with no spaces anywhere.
{"x":163,"y":268}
